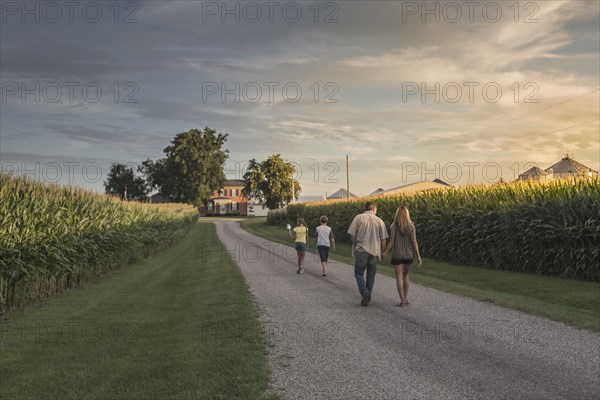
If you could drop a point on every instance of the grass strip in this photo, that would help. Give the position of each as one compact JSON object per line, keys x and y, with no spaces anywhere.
{"x":181,"y":325}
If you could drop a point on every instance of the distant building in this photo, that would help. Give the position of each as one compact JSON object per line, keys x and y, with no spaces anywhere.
{"x":341,"y":194}
{"x":501,"y":182}
{"x":536,"y":174}
{"x":310,"y":198}
{"x":258,"y":209}
{"x":376,"y":192}
{"x":416,"y":187}
{"x":441,"y":182}
{"x":566,"y":168}
{"x":227,"y":201}
{"x":158,"y":198}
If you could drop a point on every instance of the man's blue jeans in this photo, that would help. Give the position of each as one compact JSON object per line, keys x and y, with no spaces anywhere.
{"x":364,"y":261}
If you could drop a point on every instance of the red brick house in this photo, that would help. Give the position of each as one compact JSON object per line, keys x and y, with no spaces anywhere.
{"x":227,"y":201}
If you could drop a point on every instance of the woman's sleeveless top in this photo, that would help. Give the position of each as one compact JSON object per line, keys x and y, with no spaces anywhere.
{"x":403,"y":249}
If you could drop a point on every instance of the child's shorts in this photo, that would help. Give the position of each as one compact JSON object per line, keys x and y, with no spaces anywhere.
{"x":323,"y":253}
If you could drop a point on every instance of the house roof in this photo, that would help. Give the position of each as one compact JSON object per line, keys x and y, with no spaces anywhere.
{"x":377,"y":191}
{"x":340,"y":194}
{"x":308,"y":198}
{"x":428,"y":185}
{"x":441,"y":182}
{"x":159,"y":198}
{"x":234,"y":182}
{"x":568,"y":166}
{"x":534,"y":171}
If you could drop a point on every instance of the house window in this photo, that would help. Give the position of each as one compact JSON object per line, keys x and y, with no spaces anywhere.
{"x":234,"y":206}
{"x":210,"y":206}
{"x":234,"y":192}
{"x":221,"y":192}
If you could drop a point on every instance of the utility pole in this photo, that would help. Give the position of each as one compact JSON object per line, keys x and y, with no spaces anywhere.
{"x":347,"y":179}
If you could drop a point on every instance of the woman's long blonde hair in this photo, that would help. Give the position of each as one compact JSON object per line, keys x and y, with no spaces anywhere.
{"x":403,"y":221}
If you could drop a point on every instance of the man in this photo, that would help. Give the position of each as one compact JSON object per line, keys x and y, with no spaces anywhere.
{"x":368,"y":234}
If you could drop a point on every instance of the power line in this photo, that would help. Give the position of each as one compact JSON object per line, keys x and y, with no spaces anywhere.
{"x":552,"y":106}
{"x":535,"y":112}
{"x":572,"y":126}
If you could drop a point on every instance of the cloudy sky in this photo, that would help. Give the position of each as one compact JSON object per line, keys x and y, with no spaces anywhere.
{"x":408,"y":90}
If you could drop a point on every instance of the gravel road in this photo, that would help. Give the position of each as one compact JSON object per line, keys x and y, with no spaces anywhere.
{"x":324,"y":345}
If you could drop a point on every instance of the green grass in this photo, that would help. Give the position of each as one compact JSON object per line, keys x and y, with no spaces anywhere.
{"x":573,"y":302}
{"x":181,"y":325}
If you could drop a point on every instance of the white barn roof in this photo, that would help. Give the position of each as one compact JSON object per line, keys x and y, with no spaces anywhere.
{"x":341,"y":194}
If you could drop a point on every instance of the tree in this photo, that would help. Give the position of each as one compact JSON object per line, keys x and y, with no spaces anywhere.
{"x":123,"y":182}
{"x":192,"y":168}
{"x":271,"y":181}
{"x":254,"y":181}
{"x":154,"y":173}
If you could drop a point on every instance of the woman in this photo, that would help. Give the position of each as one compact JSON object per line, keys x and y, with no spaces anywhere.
{"x":300,"y":236}
{"x":403,"y":243}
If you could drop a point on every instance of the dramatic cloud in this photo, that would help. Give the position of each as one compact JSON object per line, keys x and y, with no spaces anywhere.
{"x":405,"y":99}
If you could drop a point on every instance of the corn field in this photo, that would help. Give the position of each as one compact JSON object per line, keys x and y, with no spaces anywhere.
{"x":551,"y":229}
{"x":52,"y":237}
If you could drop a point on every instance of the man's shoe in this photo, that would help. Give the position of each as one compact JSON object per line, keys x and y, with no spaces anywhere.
{"x":366,"y":297}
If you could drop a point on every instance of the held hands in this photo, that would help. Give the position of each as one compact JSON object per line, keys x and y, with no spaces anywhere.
{"x":384,"y":253}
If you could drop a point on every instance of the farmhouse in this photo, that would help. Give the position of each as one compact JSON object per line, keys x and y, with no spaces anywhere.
{"x":227,"y":201}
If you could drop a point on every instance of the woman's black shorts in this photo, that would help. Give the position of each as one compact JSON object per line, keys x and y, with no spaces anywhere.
{"x":405,"y":261}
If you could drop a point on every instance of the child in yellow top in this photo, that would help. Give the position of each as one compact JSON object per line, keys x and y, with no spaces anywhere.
{"x":300,"y":236}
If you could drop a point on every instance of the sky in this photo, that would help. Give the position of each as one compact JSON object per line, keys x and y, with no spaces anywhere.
{"x":460,"y":91}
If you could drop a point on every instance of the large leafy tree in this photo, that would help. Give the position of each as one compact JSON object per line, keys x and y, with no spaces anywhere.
{"x":122,"y":181}
{"x":155,"y":173}
{"x":192,"y":168}
{"x":271,"y":181}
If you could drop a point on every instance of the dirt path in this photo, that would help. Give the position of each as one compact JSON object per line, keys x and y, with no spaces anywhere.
{"x":324,"y":345}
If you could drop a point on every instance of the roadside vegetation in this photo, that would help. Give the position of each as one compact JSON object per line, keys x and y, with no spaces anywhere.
{"x":180,"y":325}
